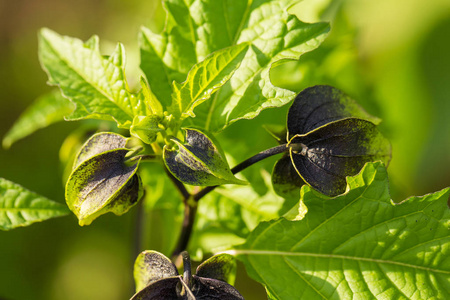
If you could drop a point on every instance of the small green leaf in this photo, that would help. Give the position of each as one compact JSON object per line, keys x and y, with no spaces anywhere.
{"x":146,"y":128}
{"x":359,"y":244}
{"x":151,"y":266}
{"x":221,"y":267}
{"x":96,"y":84}
{"x":99,"y":143}
{"x":152,"y":102}
{"x":20,"y":207}
{"x":199,"y":162}
{"x":46,"y":110}
{"x":205,"y":78}
{"x":101,"y":184}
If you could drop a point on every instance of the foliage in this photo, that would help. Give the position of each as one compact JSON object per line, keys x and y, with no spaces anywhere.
{"x":21,"y":207}
{"x":357,"y":244}
{"x":208,"y":69}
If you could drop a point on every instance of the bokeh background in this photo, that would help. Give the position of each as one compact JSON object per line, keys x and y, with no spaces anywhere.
{"x":391,"y":56}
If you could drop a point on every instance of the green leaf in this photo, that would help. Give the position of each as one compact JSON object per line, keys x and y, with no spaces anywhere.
{"x":96,"y":84}
{"x":146,"y":128}
{"x":20,"y":207}
{"x":205,"y":78}
{"x":162,"y":69}
{"x":47,"y":109}
{"x":199,"y":161}
{"x":195,"y":29}
{"x":103,"y":183}
{"x":151,"y":266}
{"x":359,"y":244}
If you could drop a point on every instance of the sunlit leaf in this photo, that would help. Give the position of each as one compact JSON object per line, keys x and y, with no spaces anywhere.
{"x":44,"y":111}
{"x":205,"y":78}
{"x":196,"y":29}
{"x":20,"y":207}
{"x":359,"y":244}
{"x":96,"y":84}
{"x":199,"y":161}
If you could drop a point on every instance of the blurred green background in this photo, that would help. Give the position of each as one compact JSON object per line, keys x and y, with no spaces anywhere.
{"x":391,"y":56}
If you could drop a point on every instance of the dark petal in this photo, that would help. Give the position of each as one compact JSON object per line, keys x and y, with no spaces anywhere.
{"x":199,"y":161}
{"x":221,"y":267}
{"x":151,"y":266}
{"x":200,"y":145}
{"x":337,"y":150}
{"x":319,"y":105}
{"x":101,"y":184}
{"x":212,"y":289}
{"x":164,"y":289}
{"x":317,"y":177}
{"x":285,"y":179}
{"x":187,"y":170}
{"x":99,"y":143}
